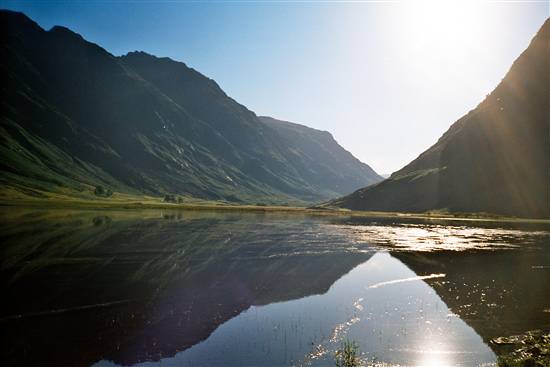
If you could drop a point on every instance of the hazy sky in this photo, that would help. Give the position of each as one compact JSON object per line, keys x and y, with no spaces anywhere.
{"x":386,"y":78}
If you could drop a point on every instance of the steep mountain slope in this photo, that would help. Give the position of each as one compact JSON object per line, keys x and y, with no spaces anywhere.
{"x":494,"y":159}
{"x":73,"y":116}
{"x":319,"y":158}
{"x":314,"y":156}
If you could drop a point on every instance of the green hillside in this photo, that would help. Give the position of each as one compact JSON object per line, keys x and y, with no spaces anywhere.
{"x":74,"y":117}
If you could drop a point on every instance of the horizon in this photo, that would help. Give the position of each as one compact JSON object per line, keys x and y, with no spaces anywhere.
{"x":356,"y":100}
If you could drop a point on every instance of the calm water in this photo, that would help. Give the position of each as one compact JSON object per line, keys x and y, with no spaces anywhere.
{"x":208,"y":289}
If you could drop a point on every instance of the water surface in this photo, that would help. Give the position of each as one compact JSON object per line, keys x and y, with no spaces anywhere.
{"x":158,"y":288}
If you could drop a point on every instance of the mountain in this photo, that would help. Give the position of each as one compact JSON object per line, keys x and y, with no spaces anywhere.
{"x":73,"y":116}
{"x":494,"y":159}
{"x":319,"y":158}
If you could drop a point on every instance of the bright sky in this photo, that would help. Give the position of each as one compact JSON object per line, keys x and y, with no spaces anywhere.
{"x":386,"y":78}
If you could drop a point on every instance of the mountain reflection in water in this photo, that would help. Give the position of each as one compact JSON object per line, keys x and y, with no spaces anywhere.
{"x":188,"y":288}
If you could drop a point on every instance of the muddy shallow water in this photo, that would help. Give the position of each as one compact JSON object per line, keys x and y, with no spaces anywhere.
{"x":235,"y":289}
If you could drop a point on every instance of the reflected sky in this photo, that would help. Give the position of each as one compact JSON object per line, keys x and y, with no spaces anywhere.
{"x":391,"y":312}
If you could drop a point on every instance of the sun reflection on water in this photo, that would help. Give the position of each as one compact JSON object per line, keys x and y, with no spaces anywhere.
{"x":435,"y":357}
{"x":431,"y":237}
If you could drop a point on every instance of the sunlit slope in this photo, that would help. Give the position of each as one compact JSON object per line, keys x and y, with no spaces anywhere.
{"x":73,"y":116}
{"x":494,"y":159}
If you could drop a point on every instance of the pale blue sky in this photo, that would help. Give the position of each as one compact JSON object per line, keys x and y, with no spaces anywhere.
{"x":386,"y":78}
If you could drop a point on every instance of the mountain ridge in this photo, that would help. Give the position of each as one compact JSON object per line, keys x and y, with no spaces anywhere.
{"x":75,"y":116}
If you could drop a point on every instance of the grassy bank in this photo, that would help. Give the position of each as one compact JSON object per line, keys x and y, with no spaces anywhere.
{"x":131,"y":202}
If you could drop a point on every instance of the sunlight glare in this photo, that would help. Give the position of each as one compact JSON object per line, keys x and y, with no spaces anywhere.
{"x":435,"y":357}
{"x":433,"y":360}
{"x":443,"y":34}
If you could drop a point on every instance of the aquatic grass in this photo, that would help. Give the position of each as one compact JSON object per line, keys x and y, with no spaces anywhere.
{"x":346,"y":356}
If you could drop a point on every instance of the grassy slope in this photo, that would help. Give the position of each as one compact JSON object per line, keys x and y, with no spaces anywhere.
{"x":74,"y":116}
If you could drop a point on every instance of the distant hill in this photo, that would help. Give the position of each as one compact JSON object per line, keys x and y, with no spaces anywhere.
{"x":73,"y":116}
{"x":494,"y":159}
{"x":319,"y":158}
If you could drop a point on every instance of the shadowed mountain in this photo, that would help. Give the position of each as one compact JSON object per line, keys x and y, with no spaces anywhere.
{"x":129,"y":287}
{"x":74,"y":117}
{"x":494,"y":159}
{"x":319,"y":158}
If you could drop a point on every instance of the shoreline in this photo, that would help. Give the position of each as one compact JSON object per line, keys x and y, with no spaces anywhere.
{"x":215,"y":206}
